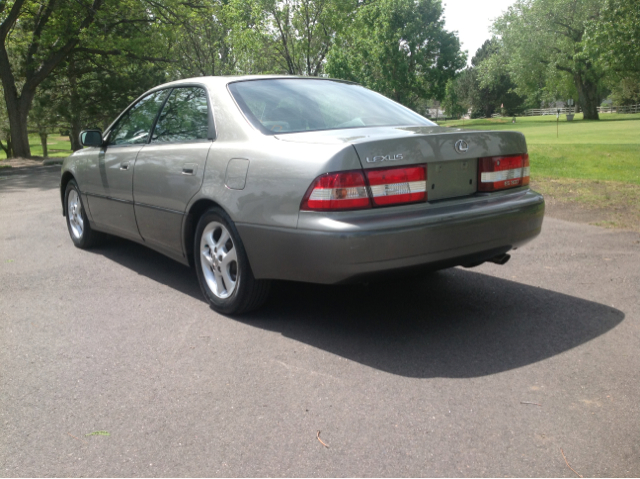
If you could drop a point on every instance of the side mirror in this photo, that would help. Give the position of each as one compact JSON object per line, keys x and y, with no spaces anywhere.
{"x":91,"y":138}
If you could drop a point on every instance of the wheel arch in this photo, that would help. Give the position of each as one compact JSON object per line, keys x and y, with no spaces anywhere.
{"x":191,"y":223}
{"x":67,"y":176}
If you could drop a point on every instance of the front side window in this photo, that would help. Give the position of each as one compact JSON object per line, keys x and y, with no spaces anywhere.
{"x":294,"y":105}
{"x":134,"y":127}
{"x":185,"y":117}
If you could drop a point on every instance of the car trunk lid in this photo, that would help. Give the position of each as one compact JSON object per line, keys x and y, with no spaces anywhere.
{"x":451,"y":154}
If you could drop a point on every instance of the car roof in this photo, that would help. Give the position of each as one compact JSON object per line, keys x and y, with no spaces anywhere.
{"x":221,"y":82}
{"x":218,"y":81}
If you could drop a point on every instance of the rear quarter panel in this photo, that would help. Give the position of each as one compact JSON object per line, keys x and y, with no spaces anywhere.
{"x":279,"y":175}
{"x":279,"y":172}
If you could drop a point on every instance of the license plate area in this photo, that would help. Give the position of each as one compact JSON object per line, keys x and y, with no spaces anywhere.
{"x":450,"y":179}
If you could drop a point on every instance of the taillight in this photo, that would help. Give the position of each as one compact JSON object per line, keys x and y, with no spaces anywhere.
{"x":391,"y":186}
{"x":525,"y":170}
{"x":348,"y":190}
{"x":337,"y":191}
{"x":502,"y":172}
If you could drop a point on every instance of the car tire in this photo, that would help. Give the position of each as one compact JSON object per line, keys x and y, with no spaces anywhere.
{"x":82,"y":235}
{"x":222,"y":266}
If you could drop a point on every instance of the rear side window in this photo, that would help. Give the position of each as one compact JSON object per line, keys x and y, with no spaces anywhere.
{"x":133,"y":128}
{"x":185,"y":117}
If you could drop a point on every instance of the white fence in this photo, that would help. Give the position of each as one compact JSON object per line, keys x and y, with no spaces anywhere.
{"x":620,"y":109}
{"x":571,"y":109}
{"x":549,"y":111}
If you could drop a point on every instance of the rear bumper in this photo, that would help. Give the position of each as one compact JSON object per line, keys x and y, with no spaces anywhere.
{"x":339,"y":247}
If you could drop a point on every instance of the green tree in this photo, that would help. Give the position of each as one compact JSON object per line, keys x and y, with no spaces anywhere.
{"x":288,"y":36}
{"x":544,"y":44}
{"x":204,"y":43}
{"x":486,"y":86}
{"x":306,"y":30}
{"x":43,"y":116}
{"x":5,"y":131}
{"x":36,"y":37}
{"x":614,"y":37}
{"x":398,"y":48}
{"x":614,"y":40}
{"x":626,"y":91}
{"x":494,"y":89}
{"x":454,"y":104}
{"x":90,"y":90}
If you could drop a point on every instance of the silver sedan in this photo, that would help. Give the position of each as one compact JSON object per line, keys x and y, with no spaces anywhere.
{"x":253,"y":179}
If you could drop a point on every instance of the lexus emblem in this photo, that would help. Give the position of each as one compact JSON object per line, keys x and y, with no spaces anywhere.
{"x":461,"y":146}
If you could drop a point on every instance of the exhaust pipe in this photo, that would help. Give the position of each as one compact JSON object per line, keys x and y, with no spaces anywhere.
{"x":501,"y":259}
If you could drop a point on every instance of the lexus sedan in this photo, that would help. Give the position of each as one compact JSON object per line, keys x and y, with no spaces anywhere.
{"x":253,"y":179}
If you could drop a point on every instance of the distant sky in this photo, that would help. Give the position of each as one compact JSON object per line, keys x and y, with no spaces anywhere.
{"x":472,"y":19}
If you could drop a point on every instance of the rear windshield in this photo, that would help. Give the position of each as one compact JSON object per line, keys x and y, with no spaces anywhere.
{"x":293,"y":105}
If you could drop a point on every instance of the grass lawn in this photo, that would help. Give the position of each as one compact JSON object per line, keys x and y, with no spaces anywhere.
{"x":592,"y":165}
{"x":57,"y":145}
{"x":612,"y":129}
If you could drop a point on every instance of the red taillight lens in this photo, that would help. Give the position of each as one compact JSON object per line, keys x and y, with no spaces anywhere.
{"x":391,"y":186}
{"x":347,"y":190}
{"x":337,"y":191}
{"x":502,"y":172}
{"x":525,"y":170}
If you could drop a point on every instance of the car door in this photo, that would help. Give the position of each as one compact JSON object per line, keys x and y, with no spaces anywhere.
{"x":169,"y":170}
{"x":110,"y":178}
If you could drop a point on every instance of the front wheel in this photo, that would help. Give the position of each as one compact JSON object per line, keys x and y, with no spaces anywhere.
{"x":222,"y":266}
{"x":77,"y":223}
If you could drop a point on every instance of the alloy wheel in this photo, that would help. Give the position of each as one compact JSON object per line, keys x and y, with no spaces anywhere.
{"x":74,"y":211}
{"x":219,"y":260}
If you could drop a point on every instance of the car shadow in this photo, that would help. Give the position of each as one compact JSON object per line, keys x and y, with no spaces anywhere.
{"x":151,"y":264}
{"x":454,"y":323}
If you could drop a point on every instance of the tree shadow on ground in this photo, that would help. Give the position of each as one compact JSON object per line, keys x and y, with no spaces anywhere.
{"x":454,"y":323}
{"x":40,"y":178}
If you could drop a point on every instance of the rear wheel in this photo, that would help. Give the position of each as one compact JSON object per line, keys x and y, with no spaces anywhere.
{"x":77,"y":223}
{"x":222,"y":266}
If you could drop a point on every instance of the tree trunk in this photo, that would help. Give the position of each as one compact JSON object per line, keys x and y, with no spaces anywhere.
{"x":17,"y":107}
{"x":488,"y":111}
{"x":17,"y":110}
{"x":587,"y":97}
{"x":76,"y":122}
{"x":74,"y":134}
{"x":8,"y":149}
{"x":43,"y":140}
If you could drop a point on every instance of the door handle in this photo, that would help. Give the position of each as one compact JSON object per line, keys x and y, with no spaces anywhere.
{"x":124,"y":165}
{"x":189,"y":169}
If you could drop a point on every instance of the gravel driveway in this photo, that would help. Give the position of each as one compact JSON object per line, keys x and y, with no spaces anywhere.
{"x":111,"y":364}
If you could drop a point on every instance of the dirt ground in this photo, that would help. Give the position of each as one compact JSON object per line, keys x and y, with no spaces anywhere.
{"x":601,"y":203}
{"x":21,"y":162}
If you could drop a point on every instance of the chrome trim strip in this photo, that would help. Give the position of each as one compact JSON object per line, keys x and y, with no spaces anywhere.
{"x":109,"y":198}
{"x":167,"y":210}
